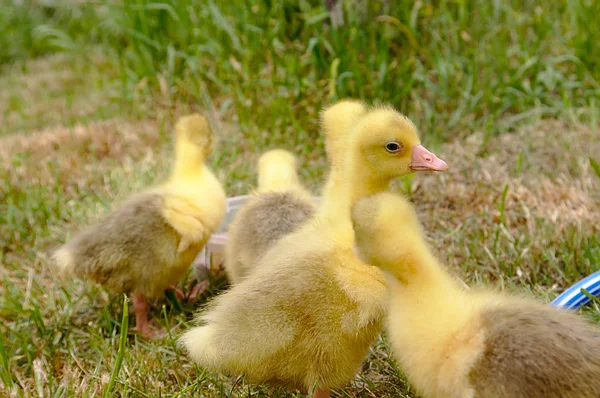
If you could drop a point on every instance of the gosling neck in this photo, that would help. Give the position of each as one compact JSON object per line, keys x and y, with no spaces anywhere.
{"x":189,"y":161}
{"x":347,"y":183}
{"x":363,"y":181}
{"x":335,"y":198}
{"x":417,"y":269}
{"x":334,"y":205}
{"x":426,"y":297}
{"x":277,"y":179}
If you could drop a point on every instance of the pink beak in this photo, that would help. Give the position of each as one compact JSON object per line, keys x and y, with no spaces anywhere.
{"x":423,"y":160}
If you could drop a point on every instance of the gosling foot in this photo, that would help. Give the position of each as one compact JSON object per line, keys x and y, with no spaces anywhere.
{"x":197,"y":290}
{"x":142,"y":325}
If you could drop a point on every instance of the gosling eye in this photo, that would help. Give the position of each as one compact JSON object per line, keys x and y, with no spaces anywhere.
{"x":393,"y":147}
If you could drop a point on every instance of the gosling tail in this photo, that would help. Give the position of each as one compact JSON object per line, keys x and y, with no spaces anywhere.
{"x":199,"y":343}
{"x":62,"y":261}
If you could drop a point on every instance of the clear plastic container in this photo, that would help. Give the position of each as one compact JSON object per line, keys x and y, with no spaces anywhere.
{"x":213,"y":252}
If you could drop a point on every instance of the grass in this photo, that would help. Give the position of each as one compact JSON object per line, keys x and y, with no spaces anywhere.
{"x":507,"y":92}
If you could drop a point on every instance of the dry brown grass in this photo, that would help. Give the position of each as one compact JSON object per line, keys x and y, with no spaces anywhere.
{"x":79,"y":147}
{"x":551,"y":191}
{"x":55,"y":90}
{"x":546,"y":168}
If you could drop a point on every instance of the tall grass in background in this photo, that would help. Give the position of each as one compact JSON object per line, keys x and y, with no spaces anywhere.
{"x":454,"y":66}
{"x":29,"y":29}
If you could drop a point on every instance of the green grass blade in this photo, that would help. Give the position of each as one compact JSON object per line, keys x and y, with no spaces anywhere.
{"x":5,"y":374}
{"x":595,"y":166}
{"x":122,"y":348}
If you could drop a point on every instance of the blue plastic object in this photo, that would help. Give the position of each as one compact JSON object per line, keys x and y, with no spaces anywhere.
{"x":573,"y":297}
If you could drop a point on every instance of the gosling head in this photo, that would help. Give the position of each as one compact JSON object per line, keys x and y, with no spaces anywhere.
{"x":276,"y":157}
{"x":277,"y":171}
{"x":195,"y":130}
{"x":388,"y":145}
{"x":383,"y":224}
{"x":336,"y":121}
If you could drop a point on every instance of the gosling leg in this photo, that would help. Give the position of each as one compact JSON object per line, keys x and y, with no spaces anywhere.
{"x":320,"y":393}
{"x":140,"y":307}
{"x":180,"y":295}
{"x":198,"y":289}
